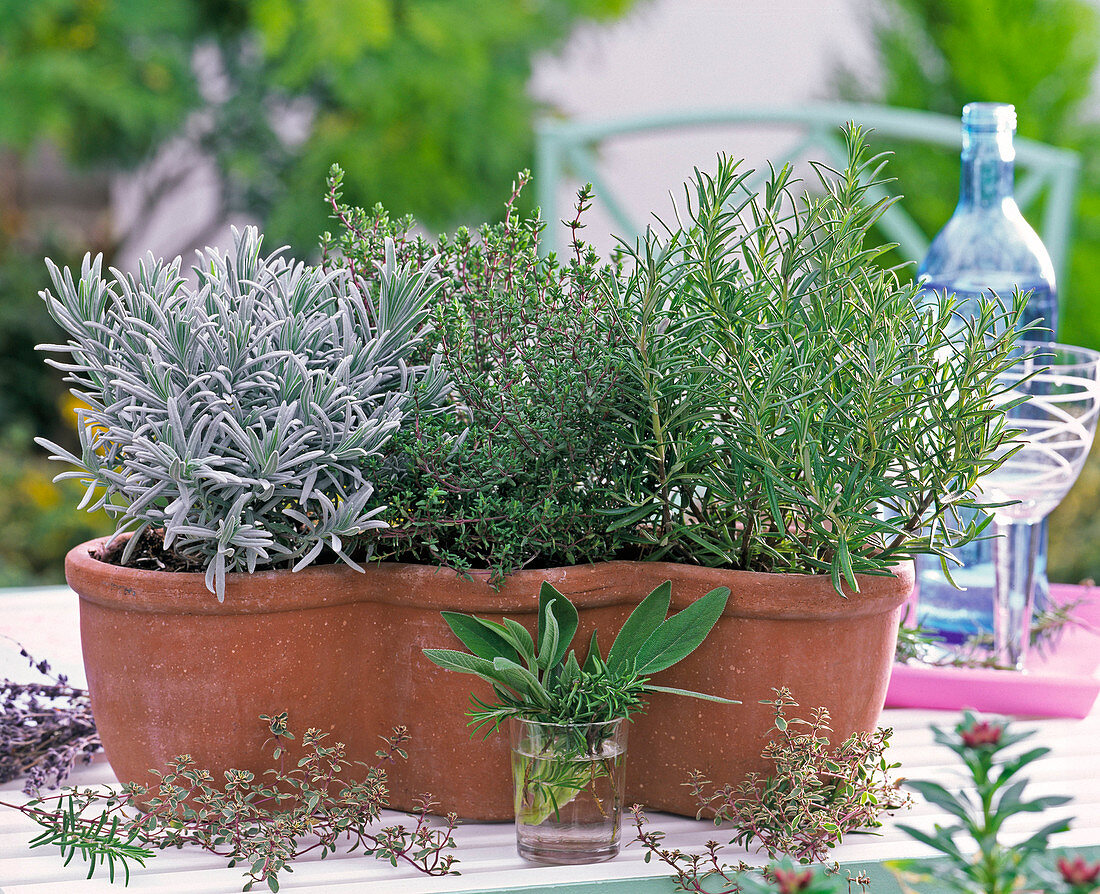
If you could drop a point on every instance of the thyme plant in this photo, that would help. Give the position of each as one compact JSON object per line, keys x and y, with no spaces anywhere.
{"x":234,"y":421}
{"x":514,"y":475}
{"x":318,"y":803}
{"x":790,"y":406}
{"x":973,"y":856}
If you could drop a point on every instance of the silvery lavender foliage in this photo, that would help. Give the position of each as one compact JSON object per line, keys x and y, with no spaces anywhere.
{"x":238,"y":416}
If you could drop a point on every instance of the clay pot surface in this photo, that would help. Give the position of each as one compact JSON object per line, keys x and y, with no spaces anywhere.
{"x":778,"y":630}
{"x":171,"y":670}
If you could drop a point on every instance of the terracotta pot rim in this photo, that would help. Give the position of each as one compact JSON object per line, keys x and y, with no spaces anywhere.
{"x":761,"y":594}
{"x":753,"y":593}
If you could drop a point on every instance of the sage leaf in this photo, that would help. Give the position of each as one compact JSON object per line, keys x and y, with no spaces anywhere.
{"x":521,"y":680}
{"x":594,"y":659}
{"x":570,"y":672}
{"x":639,"y":627}
{"x":565,"y":614}
{"x":479,"y":637}
{"x":548,"y":645}
{"x":681,"y":634}
{"x":522,"y":641}
{"x":691,"y":693}
{"x":499,"y":671}
{"x":463,"y":662}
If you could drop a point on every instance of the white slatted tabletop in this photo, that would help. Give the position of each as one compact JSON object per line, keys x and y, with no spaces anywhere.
{"x":44,"y":620}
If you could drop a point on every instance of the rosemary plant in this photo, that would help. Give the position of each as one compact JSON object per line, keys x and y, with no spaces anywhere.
{"x":513,"y":476}
{"x":791,"y":407}
{"x":234,"y":423}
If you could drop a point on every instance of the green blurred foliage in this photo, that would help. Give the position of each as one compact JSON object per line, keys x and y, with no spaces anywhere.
{"x":423,"y":102}
{"x":30,"y":392}
{"x":1074,"y":553}
{"x":1041,"y":56}
{"x":105,"y":80}
{"x":38,"y":519}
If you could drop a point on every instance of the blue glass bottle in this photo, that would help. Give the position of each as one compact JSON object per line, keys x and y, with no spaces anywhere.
{"x":986,"y":245}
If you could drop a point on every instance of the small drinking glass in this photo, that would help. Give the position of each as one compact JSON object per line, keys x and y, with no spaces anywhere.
{"x":1058,"y":419}
{"x":568,"y":782}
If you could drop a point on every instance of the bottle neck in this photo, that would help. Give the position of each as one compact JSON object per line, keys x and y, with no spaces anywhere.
{"x":988,"y":167}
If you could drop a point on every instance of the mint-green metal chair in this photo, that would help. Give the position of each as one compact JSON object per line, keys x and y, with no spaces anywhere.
{"x":571,"y":149}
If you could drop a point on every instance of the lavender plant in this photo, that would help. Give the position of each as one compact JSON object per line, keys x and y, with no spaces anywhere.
{"x":45,"y":728}
{"x":234,"y":421}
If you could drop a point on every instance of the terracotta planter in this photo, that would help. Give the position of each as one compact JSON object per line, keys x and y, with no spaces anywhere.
{"x":172,"y":670}
{"x":777,"y":630}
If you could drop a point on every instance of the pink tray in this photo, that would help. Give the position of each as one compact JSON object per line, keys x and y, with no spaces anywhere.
{"x":1063,"y":683}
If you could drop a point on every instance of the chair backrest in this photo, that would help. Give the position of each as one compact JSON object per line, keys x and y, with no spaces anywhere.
{"x":570,"y":148}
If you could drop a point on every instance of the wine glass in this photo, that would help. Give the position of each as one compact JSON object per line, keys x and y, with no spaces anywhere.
{"x":1058,"y":419}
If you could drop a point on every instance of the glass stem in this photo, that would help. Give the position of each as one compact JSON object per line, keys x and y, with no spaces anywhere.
{"x":1014,"y":551}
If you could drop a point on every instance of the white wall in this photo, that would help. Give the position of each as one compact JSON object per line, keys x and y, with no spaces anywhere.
{"x":688,"y":54}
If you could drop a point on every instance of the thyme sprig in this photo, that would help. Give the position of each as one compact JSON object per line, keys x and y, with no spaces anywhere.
{"x":816,"y":793}
{"x":320,"y":803}
{"x":708,"y":872}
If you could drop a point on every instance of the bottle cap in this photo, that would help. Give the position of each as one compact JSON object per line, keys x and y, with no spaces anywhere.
{"x":989,"y":116}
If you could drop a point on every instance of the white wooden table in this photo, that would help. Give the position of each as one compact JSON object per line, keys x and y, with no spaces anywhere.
{"x":44,"y":620}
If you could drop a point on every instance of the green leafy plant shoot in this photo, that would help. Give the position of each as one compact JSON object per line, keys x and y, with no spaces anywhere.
{"x":534,"y":679}
{"x":978,"y":860}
